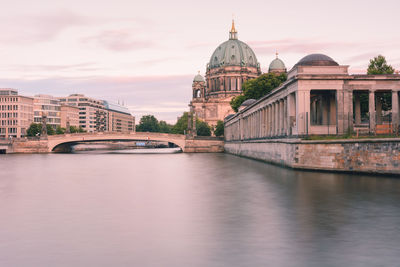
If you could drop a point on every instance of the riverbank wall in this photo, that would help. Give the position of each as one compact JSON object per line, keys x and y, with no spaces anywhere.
{"x":381,"y":156}
{"x":204,"y":144}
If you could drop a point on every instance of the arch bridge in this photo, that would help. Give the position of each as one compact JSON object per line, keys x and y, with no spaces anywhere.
{"x":63,"y":143}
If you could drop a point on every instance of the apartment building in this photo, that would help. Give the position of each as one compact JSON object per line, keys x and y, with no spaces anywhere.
{"x":50,"y":107}
{"x":119,"y":118}
{"x":69,"y":114}
{"x":92,"y":112}
{"x":16,"y":113}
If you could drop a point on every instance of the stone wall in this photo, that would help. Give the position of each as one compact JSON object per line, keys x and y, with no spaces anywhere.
{"x":370,"y":156}
{"x":204,"y":145}
{"x":29,"y":146}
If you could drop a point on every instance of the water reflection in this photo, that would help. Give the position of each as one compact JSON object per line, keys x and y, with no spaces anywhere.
{"x":96,"y":209}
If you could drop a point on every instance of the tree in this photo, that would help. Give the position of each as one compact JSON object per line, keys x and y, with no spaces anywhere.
{"x":34,"y":129}
{"x":60,"y":130}
{"x":378,"y":65}
{"x":50,"y":130}
{"x":219,"y":129}
{"x":148,"y":123}
{"x":257,"y":88}
{"x":180,"y":127}
{"x":164,"y":127}
{"x":73,"y":129}
{"x":203,"y":129}
{"x":181,"y":124}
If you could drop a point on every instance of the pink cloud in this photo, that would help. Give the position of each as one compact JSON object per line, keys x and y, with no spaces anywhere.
{"x":118,"y":40}
{"x":295,"y":46}
{"x":48,"y":68}
{"x":38,"y":28}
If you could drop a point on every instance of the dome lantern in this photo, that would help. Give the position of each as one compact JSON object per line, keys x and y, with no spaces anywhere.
{"x":233,"y":32}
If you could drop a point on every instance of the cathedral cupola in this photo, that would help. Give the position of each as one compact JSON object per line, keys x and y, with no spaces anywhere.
{"x":277,"y":66}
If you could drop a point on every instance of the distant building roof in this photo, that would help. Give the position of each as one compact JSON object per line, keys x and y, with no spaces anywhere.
{"x":116,"y":107}
{"x":316,"y":60}
{"x":248,"y":102}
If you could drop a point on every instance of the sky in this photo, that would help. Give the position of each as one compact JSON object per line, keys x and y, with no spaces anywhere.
{"x":145,"y":54}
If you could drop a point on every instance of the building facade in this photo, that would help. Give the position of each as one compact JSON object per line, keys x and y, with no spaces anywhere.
{"x":69,"y":116}
{"x":100,"y":115}
{"x":16,"y":113}
{"x":119,"y":118}
{"x":92,"y":112}
{"x":49,"y":106}
{"x":232,"y":63}
{"x":319,"y":97}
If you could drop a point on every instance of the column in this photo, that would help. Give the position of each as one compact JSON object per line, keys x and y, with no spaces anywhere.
{"x":371,"y":111}
{"x":268,"y":121}
{"x":276,"y":118}
{"x":303,"y":113}
{"x":284,"y":116}
{"x":288,"y":113}
{"x":395,"y":110}
{"x":344,"y":103}
{"x":378,"y":111}
{"x":357,"y":107}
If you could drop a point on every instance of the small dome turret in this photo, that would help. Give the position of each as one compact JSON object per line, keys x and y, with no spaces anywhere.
{"x":198,"y":78}
{"x":247,"y":103}
{"x":277,"y":65}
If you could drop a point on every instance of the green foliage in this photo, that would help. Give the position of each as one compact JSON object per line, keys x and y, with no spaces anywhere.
{"x":164,"y":127}
{"x":34,"y":129}
{"x":257,"y":88}
{"x":378,"y":65}
{"x":203,"y":129}
{"x":50,"y":130}
{"x":74,"y":129}
{"x":60,"y":130}
{"x":148,"y":123}
{"x":219,"y":129}
{"x":181,"y":125}
{"x":237,"y":101}
{"x":81,"y":130}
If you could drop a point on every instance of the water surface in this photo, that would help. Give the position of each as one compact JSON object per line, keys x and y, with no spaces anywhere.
{"x":97,"y":209}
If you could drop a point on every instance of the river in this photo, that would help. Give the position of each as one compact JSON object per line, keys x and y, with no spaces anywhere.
{"x":123,"y":209}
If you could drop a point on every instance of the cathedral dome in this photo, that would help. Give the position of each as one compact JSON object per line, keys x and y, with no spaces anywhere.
{"x":233,"y":53}
{"x":198,"y":78}
{"x":317,"y":60}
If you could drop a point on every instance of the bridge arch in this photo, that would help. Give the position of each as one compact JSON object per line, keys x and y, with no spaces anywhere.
{"x":67,"y":140}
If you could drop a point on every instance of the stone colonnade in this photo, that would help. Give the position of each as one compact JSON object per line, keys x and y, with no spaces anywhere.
{"x":272,"y":120}
{"x":289,"y":115}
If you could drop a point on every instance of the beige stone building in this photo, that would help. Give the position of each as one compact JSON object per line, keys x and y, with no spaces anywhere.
{"x":119,"y":118}
{"x":232,"y":63}
{"x":16,"y":113}
{"x":319,"y":97}
{"x":50,"y":107}
{"x":69,"y":114}
{"x":92,"y":112}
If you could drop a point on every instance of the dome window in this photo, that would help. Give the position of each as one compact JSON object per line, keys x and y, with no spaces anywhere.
{"x":233,"y":47}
